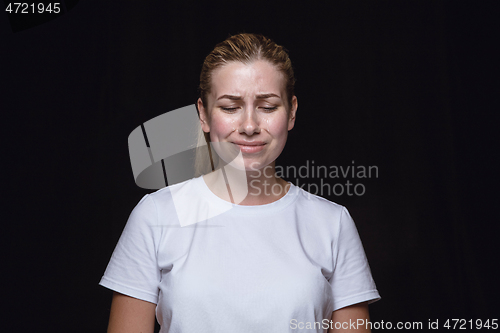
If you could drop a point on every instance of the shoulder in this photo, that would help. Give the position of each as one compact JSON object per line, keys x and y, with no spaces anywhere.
{"x":315,"y":204}
{"x":323,"y":214}
{"x":154,"y":202}
{"x":164,"y":196}
{"x":171,"y":203}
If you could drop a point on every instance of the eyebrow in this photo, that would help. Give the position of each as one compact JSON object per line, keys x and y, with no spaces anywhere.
{"x":238,"y":98}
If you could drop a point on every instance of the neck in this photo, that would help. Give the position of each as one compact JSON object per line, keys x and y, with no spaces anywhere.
{"x":248,"y":188}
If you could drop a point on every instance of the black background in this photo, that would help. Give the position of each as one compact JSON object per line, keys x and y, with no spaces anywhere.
{"x":408,"y":86}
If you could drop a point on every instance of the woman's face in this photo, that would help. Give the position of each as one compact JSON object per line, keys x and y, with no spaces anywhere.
{"x":247,"y":109}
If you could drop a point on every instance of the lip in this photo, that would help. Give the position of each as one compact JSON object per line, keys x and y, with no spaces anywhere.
{"x":250,"y":147}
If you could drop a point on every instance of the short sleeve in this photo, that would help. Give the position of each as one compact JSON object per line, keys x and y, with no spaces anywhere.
{"x":351,"y":281}
{"x":133,"y":269}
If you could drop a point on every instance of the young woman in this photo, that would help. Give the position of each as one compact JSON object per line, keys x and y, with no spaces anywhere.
{"x":261,"y":254}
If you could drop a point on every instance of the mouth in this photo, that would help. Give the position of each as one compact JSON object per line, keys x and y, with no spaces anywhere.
{"x":250,"y":147}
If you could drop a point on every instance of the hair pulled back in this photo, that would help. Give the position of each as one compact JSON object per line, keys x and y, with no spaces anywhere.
{"x":246,"y":48}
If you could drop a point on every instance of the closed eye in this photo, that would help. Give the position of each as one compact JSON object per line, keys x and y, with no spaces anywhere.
{"x":233,"y":109}
{"x":228,"y":109}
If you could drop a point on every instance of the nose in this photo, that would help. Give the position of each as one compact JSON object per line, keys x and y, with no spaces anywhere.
{"x":249,"y":122}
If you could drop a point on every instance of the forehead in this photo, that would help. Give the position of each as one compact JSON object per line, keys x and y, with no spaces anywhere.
{"x":256,"y":77}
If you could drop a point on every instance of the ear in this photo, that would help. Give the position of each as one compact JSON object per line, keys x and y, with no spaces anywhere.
{"x":293,"y":112}
{"x":203,"y":116}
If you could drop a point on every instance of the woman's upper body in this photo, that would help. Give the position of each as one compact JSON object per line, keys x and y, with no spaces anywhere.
{"x":239,"y":249}
{"x":277,"y":267}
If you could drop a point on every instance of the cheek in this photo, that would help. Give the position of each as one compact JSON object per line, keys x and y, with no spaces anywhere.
{"x":278,"y":128}
{"x":220,"y":127}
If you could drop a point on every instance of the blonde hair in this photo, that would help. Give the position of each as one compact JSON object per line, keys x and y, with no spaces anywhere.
{"x":245,"y":48}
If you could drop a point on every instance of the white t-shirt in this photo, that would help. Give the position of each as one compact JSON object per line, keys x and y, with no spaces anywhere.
{"x":279,"y":267}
